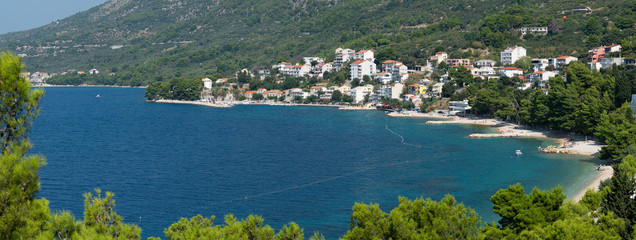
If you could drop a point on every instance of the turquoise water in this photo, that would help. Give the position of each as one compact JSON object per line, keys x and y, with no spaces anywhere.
{"x":303,"y":164}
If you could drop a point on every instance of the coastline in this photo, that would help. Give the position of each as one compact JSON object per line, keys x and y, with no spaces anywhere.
{"x":567,"y":143}
{"x":86,"y":85}
{"x":602,"y":174}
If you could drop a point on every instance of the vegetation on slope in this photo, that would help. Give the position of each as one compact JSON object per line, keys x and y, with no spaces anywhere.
{"x":147,"y":41}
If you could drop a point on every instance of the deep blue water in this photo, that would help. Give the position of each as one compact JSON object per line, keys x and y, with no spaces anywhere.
{"x":303,"y":164}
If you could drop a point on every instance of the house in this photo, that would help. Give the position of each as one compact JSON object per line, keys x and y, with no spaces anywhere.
{"x":564,"y":60}
{"x":541,"y":77}
{"x":221,"y":80}
{"x":384,"y":77}
{"x":250,"y":94}
{"x":436,"y":59}
{"x":595,"y":54}
{"x":485,"y":63}
{"x":459,"y":107}
{"x":436,"y":90}
{"x":525,"y":86}
{"x":358,"y":93}
{"x":534,"y":30}
{"x":458,"y":62}
{"x":321,"y":68}
{"x":297,"y":70}
{"x":361,"y":68}
{"x":483,"y":71}
{"x":309,"y":60}
{"x":417,"y":89}
{"x":81,"y":72}
{"x":539,"y":64}
{"x":93,"y":71}
{"x":342,"y":55}
{"x":395,"y":68}
{"x":365,"y":55}
{"x":510,"y":71}
{"x":281,"y":66}
{"x":207,"y":83}
{"x":297,"y":92}
{"x":613,"y":48}
{"x":511,"y":54}
{"x":316,"y":90}
{"x":392,"y":90}
{"x":271,"y":93}
{"x":609,"y":62}
{"x":261,"y":90}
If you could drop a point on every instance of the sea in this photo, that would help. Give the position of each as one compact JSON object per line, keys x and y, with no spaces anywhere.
{"x":307,"y":165}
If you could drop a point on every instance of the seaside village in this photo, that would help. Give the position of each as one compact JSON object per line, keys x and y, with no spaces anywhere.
{"x":392,"y":79}
{"x":388,"y":79}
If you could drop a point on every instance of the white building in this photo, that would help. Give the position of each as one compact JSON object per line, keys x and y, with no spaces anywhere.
{"x":296,"y":70}
{"x":511,"y":54}
{"x":436,"y":59}
{"x":396,"y":69}
{"x":541,"y":77}
{"x":510,"y":71}
{"x":561,"y":61}
{"x":342,"y":55}
{"x":384,"y":77}
{"x":361,"y":68}
{"x":309,"y":60}
{"x":525,"y":86}
{"x":321,"y":68}
{"x":539,"y":64}
{"x":207,"y":83}
{"x":365,"y":55}
{"x":358,"y":93}
{"x":485,"y":63}
{"x":459,"y":107}
{"x":609,"y":62}
{"x":315,"y":90}
{"x":392,"y":90}
{"x":534,"y":30}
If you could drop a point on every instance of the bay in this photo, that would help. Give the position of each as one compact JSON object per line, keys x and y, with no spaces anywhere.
{"x":303,"y":164}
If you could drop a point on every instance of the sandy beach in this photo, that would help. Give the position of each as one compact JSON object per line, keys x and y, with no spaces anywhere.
{"x":605,"y":173}
{"x":566,"y":143}
{"x":207,"y":104}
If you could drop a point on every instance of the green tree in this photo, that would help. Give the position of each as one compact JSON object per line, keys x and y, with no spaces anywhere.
{"x":619,"y":199}
{"x":21,"y":214}
{"x":336,"y":96}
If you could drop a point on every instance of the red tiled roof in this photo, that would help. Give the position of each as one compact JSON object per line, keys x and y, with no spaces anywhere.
{"x":358,"y":62}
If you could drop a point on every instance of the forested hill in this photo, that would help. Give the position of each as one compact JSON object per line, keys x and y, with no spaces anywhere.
{"x":147,"y":40}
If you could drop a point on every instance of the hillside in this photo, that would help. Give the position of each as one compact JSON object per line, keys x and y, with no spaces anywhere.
{"x":145,"y":41}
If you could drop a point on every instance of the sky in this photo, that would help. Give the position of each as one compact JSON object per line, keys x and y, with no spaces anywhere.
{"x":19,"y":15}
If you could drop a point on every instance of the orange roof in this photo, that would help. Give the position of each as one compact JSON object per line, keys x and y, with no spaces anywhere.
{"x":527,"y":83}
{"x":316,"y":87}
{"x":358,"y":62}
{"x":563,"y":57}
{"x":539,"y":72}
{"x":614,"y":45}
{"x":250,"y":92}
{"x":513,"y":68}
{"x":440,"y":52}
{"x":391,"y":61}
{"x":262,"y":89}
{"x":414,"y":85}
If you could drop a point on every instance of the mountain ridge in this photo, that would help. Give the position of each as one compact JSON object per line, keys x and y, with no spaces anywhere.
{"x":162,"y":39}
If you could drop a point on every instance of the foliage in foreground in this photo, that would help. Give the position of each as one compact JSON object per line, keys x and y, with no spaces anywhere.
{"x":609,"y":214}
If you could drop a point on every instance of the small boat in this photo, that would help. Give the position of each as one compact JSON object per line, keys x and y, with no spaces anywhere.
{"x":97,"y":96}
{"x":518,"y":153}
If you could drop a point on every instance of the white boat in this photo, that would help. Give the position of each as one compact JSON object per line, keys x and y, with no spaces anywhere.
{"x":97,"y":95}
{"x":518,"y":153}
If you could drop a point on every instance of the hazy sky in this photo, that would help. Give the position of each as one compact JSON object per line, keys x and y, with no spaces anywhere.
{"x":18,"y":15}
